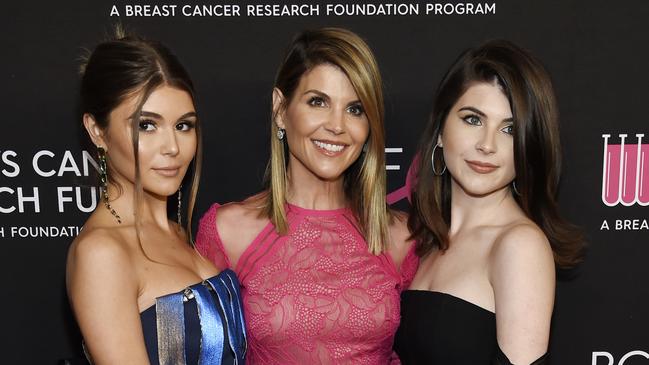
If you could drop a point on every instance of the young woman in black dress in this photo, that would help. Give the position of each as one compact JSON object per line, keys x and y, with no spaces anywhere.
{"x":485,"y":216}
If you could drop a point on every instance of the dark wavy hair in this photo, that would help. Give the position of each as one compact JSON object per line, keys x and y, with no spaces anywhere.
{"x":537,"y":150}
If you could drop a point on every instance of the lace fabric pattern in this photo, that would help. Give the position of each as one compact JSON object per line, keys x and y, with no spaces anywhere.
{"x":315,"y":295}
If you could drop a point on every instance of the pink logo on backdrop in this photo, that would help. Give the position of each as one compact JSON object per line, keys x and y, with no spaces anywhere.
{"x":625,"y":176}
{"x":404,"y":191}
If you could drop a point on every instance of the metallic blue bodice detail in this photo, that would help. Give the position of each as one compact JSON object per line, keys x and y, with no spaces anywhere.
{"x":202,"y":324}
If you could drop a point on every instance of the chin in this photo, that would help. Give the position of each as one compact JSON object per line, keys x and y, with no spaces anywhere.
{"x":328,"y":174}
{"x":326,"y":170}
{"x":159,"y":189}
{"x":329,"y":177}
{"x":160,"y":193}
{"x":480,"y":190}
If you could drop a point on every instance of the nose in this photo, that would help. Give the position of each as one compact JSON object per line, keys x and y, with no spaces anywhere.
{"x":487,"y":142}
{"x":170,"y":145}
{"x":335,"y":122}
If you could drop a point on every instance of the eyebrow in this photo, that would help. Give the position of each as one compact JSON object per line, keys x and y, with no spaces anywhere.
{"x":317,"y":92}
{"x":472,"y":109}
{"x":482,"y":114}
{"x":158,"y":116}
{"x":150,"y":114}
{"x":188,"y":115}
{"x":325,"y":96}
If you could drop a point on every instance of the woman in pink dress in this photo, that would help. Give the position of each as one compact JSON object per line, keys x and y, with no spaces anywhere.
{"x":321,"y":259}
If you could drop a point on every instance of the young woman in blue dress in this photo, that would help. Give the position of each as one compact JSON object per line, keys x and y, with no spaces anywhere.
{"x":140,"y":291}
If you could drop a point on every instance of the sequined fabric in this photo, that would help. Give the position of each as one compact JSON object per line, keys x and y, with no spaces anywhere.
{"x":316,"y":295}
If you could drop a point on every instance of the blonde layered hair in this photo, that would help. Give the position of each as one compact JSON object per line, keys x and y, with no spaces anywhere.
{"x":364,"y":180}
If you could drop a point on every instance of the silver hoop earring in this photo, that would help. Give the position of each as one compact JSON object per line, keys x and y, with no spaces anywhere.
{"x":280,"y":133}
{"x":514,"y":187}
{"x":432,"y":161}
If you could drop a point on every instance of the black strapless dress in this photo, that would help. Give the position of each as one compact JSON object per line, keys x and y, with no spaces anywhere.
{"x":441,"y":329}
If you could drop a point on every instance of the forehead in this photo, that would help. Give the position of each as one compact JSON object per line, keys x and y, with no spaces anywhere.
{"x":164,"y":100}
{"x":327,"y":78}
{"x":488,"y":98}
{"x":169,"y":100}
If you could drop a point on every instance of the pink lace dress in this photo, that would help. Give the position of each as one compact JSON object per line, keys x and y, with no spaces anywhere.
{"x":315,"y":295}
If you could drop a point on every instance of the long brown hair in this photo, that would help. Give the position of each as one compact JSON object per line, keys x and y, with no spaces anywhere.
{"x":364,"y":181}
{"x":129,"y":65}
{"x":537,"y":152}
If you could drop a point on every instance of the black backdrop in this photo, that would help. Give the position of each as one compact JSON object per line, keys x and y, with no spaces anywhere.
{"x":597,"y":53}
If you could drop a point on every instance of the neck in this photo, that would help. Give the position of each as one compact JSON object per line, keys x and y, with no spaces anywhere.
{"x":307,"y":190}
{"x":470,"y":211}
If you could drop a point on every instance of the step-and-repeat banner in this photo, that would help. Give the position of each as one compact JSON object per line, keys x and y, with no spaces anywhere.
{"x":596,"y":52}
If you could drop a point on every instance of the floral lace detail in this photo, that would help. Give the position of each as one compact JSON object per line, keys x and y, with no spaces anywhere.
{"x":315,"y":295}
{"x":409,"y":267}
{"x":208,"y":242}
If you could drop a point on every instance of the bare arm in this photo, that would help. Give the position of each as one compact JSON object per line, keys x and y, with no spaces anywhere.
{"x":523,"y":278}
{"x":400,"y":243}
{"x":103,"y":291}
{"x":402,"y":250}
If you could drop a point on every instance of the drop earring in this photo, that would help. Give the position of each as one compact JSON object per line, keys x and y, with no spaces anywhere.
{"x":280,"y":133}
{"x":103,"y":180}
{"x":180,"y":204}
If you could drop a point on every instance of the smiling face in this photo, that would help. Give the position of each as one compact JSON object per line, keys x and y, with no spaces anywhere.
{"x":478,"y":142}
{"x":167,"y":140}
{"x":325,"y":124}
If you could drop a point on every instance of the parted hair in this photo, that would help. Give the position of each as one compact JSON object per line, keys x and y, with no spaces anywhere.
{"x":537,"y":148}
{"x":364,"y":181}
{"x":126,"y":65}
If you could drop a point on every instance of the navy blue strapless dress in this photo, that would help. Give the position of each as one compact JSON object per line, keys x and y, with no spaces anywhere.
{"x":202,"y":324}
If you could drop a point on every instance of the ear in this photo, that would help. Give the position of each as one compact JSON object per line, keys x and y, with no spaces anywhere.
{"x":278,"y":101}
{"x":439,"y":140}
{"x":94,"y":131}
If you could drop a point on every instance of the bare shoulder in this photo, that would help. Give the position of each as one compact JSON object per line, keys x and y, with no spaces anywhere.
{"x":102,"y":285}
{"x":99,"y":247}
{"x":521,"y":270}
{"x":240,"y":216}
{"x":400,"y":242}
{"x":238,"y":223}
{"x":522,"y":275}
{"x":97,"y":254}
{"x":522,"y":242}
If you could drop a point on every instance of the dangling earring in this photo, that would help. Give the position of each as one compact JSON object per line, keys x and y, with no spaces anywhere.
{"x":365,"y":147}
{"x":514,"y":187}
{"x":432,"y":161}
{"x":280,"y":133}
{"x":103,"y":179}
{"x":180,"y":204}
